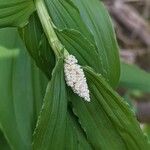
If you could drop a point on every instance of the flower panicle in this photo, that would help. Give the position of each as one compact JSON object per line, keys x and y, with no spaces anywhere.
{"x":75,"y":77}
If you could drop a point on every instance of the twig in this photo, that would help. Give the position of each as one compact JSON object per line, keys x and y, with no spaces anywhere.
{"x":130,"y":55}
{"x":132,"y":20}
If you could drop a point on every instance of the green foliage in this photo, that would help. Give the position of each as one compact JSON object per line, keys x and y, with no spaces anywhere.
{"x":133,"y":77}
{"x":66,"y":16}
{"x":65,"y":122}
{"x":74,"y":42}
{"x":51,"y":127}
{"x":22,"y":87}
{"x":37,"y":45}
{"x":15,"y":12}
{"x":122,"y":121}
{"x":98,"y":22}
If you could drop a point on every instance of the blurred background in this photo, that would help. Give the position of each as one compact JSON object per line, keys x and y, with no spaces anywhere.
{"x":131,"y":19}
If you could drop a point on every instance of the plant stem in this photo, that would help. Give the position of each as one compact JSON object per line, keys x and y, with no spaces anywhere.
{"x":48,"y":28}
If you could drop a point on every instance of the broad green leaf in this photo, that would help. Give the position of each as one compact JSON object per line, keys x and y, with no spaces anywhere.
{"x":98,"y":21}
{"x":15,"y":12}
{"x":51,"y":126}
{"x":35,"y":39}
{"x":79,"y":46}
{"x":107,"y":119}
{"x":38,"y":46}
{"x":70,"y":135}
{"x":66,"y":16}
{"x":133,"y":77}
{"x":57,"y":128}
{"x":75,"y":136}
{"x":22,"y":87}
{"x":95,"y":16}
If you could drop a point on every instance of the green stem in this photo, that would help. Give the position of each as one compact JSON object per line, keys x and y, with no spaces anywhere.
{"x":48,"y":28}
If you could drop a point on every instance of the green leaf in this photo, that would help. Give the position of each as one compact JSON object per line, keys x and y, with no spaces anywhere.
{"x":81,"y":47}
{"x":37,"y":45}
{"x":35,"y":39}
{"x":3,"y":143}
{"x":98,"y":21}
{"x":107,"y":117}
{"x":15,"y":12}
{"x":57,"y":128}
{"x":22,"y":87}
{"x":133,"y":77}
{"x":50,"y":131}
{"x":66,"y":16}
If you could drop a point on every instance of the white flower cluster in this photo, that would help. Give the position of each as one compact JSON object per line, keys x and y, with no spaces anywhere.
{"x":75,"y":77}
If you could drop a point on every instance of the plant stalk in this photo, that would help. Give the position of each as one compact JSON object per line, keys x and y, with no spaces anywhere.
{"x":48,"y":28}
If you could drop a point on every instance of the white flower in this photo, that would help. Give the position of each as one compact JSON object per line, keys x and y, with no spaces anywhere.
{"x":75,"y":77}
